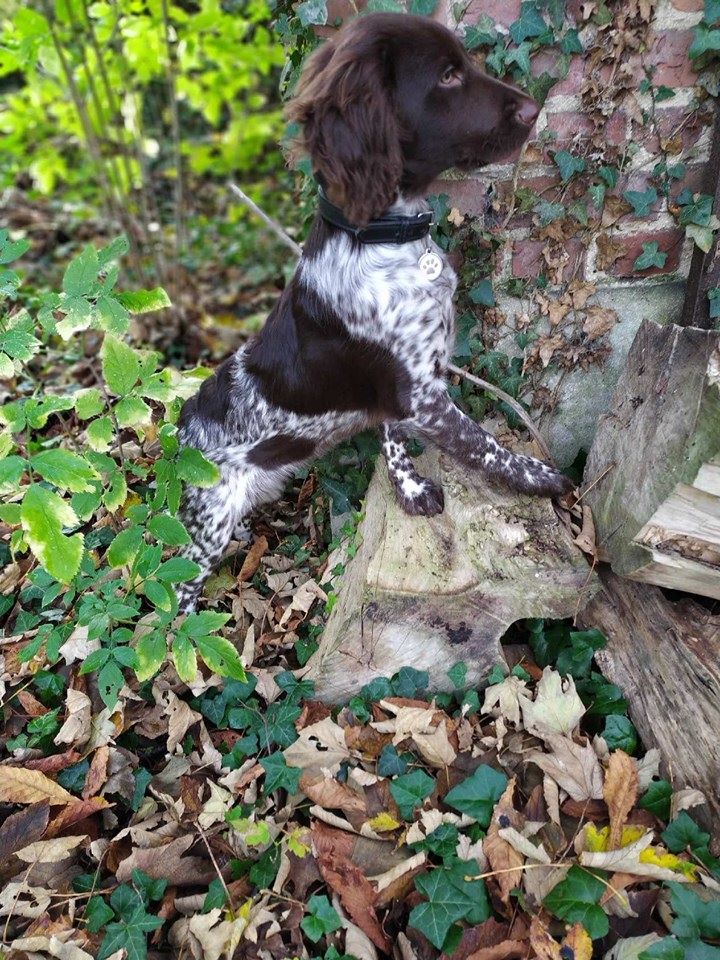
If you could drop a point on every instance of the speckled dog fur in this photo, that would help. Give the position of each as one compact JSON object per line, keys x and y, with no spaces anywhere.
{"x":361,"y":336}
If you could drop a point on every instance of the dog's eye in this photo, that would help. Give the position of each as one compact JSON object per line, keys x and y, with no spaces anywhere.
{"x":452,"y":77}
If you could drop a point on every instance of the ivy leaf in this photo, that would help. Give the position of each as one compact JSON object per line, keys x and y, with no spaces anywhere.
{"x":423,"y":8}
{"x":65,"y":470}
{"x":568,"y":165}
{"x":144,"y":301}
{"x":446,"y":904}
{"x":278,"y":775}
{"x":312,"y":13}
{"x":43,"y":516}
{"x":705,"y":41}
{"x":477,"y":795}
{"x":529,"y":24}
{"x":390,"y":762}
{"x":120,"y":365}
{"x":97,"y":914}
{"x":482,"y":293}
{"x":694,"y":918}
{"x":702,"y":236}
{"x":666,"y":949}
{"x":575,"y":900}
{"x":657,"y":799}
{"x":549,"y":212}
{"x":570,"y":43}
{"x":652,"y":256}
{"x":641,"y":200}
{"x":408,"y":681}
{"x":194,"y":468}
{"x":410,"y":790}
{"x":279,"y":724}
{"x":131,"y":929}
{"x":81,"y":273}
{"x":683,"y":833}
{"x":620,"y":734}
{"x":322,"y":918}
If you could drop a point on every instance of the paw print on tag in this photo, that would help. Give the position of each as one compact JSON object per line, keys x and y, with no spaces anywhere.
{"x":430,"y":265}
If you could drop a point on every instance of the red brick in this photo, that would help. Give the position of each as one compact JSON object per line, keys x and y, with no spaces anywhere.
{"x":674,"y":120}
{"x":469,"y":196}
{"x":544,"y":61}
{"x":688,"y":6}
{"x":528,"y":261}
{"x":668,"y":52}
{"x":669,"y":241}
{"x":501,"y":11}
{"x":568,"y":124}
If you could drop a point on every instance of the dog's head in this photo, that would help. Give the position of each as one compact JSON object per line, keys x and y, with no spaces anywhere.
{"x":394,"y":100}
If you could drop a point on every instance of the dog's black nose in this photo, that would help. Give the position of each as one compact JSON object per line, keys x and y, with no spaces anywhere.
{"x":527,"y":112}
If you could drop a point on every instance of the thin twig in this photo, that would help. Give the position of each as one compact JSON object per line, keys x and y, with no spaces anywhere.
{"x":268,"y":221}
{"x":217,"y":868}
{"x":506,"y":398}
{"x":177,"y":141}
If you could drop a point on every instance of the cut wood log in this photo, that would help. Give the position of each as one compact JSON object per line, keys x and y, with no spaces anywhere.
{"x":665,"y":657}
{"x":431,"y":592}
{"x":653,"y":473}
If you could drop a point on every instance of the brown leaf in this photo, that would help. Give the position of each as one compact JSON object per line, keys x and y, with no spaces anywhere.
{"x":252,"y":560}
{"x":598,"y":320}
{"x":486,"y":934}
{"x":580,"y":292}
{"x":577,"y":943}
{"x":586,"y":538}
{"x":18,"y":785}
{"x":30,"y":704}
{"x":166,"y":860}
{"x":356,"y":893}
{"x":502,"y":857}
{"x":75,"y":812}
{"x":574,"y":767}
{"x":542,"y":943}
{"x":22,"y":828}
{"x":609,"y":251}
{"x":53,"y":763}
{"x":620,"y":792}
{"x":333,"y":795}
{"x":501,"y":951}
{"x":98,"y":772}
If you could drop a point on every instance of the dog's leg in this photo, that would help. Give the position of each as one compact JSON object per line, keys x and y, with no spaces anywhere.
{"x":416,"y":495}
{"x":436,"y":417}
{"x":210,"y":517}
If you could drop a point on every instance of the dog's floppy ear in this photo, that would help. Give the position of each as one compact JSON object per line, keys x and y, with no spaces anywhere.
{"x":350,"y":130}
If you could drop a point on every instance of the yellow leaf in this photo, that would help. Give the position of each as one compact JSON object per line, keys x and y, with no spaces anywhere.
{"x":30,"y":786}
{"x":383,"y":822}
{"x":661,"y":858}
{"x":296,"y":845}
{"x":578,"y":942}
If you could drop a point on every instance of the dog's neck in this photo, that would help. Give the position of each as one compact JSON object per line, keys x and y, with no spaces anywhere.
{"x":405,"y":221}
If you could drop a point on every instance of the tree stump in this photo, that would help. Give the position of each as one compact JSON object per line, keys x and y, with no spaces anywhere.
{"x":654,"y":468}
{"x":665,"y":657}
{"x":431,"y":592}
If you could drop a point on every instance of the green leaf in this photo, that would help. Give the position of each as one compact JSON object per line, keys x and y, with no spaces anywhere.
{"x":278,"y":775}
{"x":571,"y":43}
{"x":423,"y":8}
{"x":89,"y":403}
{"x":641,"y":200}
{"x":168,"y":530}
{"x":711,"y":13}
{"x":703,"y":237}
{"x":11,"y":250}
{"x":705,"y":41}
{"x":482,"y":293}
{"x":568,"y":165}
{"x":408,"y":681}
{"x":100,"y":434}
{"x":666,"y":949}
{"x":447,"y":903}
{"x":151,"y":651}
{"x":132,"y":412}
{"x":115,"y":249}
{"x":620,"y":734}
{"x":145,"y":301}
{"x":11,"y":470}
{"x":215,"y":898}
{"x":390,"y":763}
{"x":130,"y":932}
{"x":184,"y":658}
{"x":114,"y":318}
{"x":651,"y":256}
{"x":410,"y":790}
{"x":120,"y":365}
{"x":477,"y":795}
{"x":65,"y":470}
{"x":657,"y":799}
{"x":161,"y":595}
{"x":458,"y":675}
{"x":200,"y":624}
{"x":529,"y":24}
{"x":81,"y":273}
{"x":194,"y":468}
{"x":110,"y":680}
{"x":683,"y":833}
{"x":123,"y":550}
{"x":43,"y":516}
{"x":575,"y":900}
{"x":97,"y":914}
{"x":694,"y":918}
{"x":312,"y":13}
{"x":322,"y":918}
{"x":177,"y":570}
{"x":221,"y":656}
{"x":18,"y":344}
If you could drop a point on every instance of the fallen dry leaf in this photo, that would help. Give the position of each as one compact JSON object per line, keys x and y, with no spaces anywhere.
{"x":620,"y":792}
{"x":252,"y":560}
{"x":22,"y":828}
{"x":598,"y":321}
{"x":50,"y":851}
{"x":627,"y":860}
{"x":574,"y":767}
{"x":167,"y":861}
{"x":504,"y":699}
{"x":556,"y":709}
{"x":78,"y":722}
{"x":18,"y":785}
{"x":505,"y":861}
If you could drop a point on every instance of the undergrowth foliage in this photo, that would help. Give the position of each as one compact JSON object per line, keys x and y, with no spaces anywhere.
{"x":91,"y":481}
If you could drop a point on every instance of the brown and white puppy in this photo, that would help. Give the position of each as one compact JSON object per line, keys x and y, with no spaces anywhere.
{"x":362,"y":334}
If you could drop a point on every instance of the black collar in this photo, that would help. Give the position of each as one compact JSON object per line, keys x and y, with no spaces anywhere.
{"x":392,"y":228}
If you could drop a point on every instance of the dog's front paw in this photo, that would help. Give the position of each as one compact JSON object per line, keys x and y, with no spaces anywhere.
{"x":420,"y":497}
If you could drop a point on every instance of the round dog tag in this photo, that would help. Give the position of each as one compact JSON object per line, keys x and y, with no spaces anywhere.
{"x":431,"y":265}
